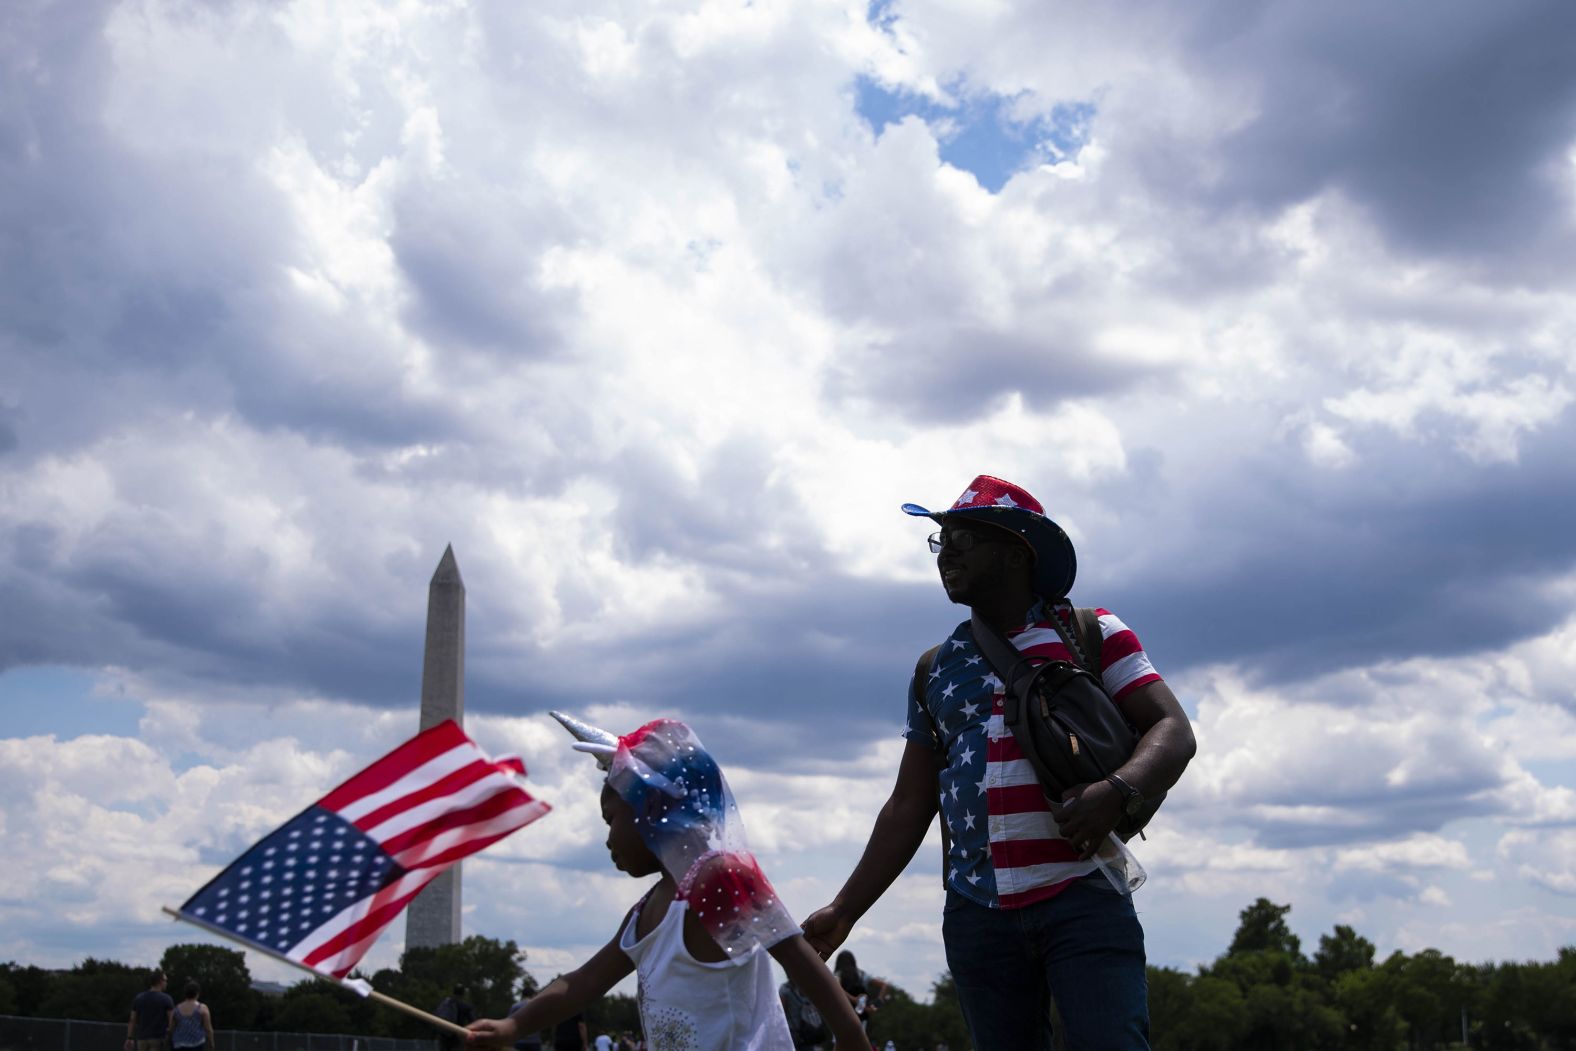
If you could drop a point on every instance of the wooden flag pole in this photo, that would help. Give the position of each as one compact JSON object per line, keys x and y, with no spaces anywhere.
{"x":398,"y":1005}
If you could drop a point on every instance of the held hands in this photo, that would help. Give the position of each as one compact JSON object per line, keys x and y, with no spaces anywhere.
{"x":1087,"y":814}
{"x":825,"y":929}
{"x":492,"y":1032}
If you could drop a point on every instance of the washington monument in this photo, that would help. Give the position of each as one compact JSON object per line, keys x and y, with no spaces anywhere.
{"x":434,"y":916}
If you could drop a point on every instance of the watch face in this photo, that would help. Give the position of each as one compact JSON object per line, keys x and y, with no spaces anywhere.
{"x":1135,"y":803}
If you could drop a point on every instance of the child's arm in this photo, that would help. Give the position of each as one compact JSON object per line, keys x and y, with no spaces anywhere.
{"x":564,"y":996}
{"x":808,"y":971}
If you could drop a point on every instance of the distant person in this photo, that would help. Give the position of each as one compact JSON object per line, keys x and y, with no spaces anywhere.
{"x":1029,"y":914}
{"x":570,"y":1034}
{"x":703,"y":936}
{"x":864,"y":992}
{"x":191,"y":1026}
{"x":604,"y":1042}
{"x":454,"y":1008}
{"x":149,"y":1023}
{"x":809,"y":1032}
{"x":531,"y":1041}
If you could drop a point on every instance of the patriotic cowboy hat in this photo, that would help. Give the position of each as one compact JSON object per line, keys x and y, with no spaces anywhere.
{"x":1007,"y":506}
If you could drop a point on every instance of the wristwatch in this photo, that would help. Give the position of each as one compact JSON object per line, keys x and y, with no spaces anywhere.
{"x":1132,"y":800}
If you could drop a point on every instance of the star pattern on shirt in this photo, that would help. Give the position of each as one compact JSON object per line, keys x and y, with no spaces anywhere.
{"x":970,"y":710}
{"x":967,"y":755}
{"x":968,"y":818}
{"x":947,"y":693}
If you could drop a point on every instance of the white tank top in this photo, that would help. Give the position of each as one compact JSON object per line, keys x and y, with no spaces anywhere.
{"x":687,"y":1005}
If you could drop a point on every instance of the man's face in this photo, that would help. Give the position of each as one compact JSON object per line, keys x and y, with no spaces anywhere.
{"x":629,"y":851}
{"x":976,"y":560}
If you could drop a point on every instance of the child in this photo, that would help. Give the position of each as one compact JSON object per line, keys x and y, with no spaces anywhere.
{"x":698,"y":938}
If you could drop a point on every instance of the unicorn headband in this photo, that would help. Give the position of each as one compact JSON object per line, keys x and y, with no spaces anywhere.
{"x":599,"y":743}
{"x":686,"y":815}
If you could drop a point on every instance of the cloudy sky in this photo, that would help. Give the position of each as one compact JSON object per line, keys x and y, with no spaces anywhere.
{"x":657,"y":312}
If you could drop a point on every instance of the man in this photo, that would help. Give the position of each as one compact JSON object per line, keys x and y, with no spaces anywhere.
{"x":1029,"y":916}
{"x":570,"y":1034}
{"x":528,"y":1041}
{"x":150,"y":1015}
{"x":454,"y":1008}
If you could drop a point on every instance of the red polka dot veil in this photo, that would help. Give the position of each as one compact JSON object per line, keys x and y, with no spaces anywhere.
{"x":687,"y":816}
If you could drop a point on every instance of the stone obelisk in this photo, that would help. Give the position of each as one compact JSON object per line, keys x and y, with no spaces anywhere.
{"x":434,"y":916}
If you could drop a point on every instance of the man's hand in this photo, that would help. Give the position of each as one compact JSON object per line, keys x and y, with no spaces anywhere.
{"x":826,"y":929}
{"x":1087,"y":814}
{"x":491,"y":1032}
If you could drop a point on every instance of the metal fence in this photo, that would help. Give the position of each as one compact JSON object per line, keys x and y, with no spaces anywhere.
{"x":64,"y":1034}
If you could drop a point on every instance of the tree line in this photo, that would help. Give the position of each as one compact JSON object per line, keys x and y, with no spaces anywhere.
{"x":1262,"y":994}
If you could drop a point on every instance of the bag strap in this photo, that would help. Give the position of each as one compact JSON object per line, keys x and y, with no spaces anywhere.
{"x":918,"y":689}
{"x":1086,"y":622}
{"x":1012,"y":667}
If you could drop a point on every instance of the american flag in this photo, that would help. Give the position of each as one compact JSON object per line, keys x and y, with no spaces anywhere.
{"x":321,"y":888}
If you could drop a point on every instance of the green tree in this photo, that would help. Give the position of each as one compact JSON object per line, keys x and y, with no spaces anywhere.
{"x":1366,"y":999}
{"x":1262,"y":927}
{"x":7,"y":996}
{"x":946,"y":1014}
{"x":1429,"y":991}
{"x":490,"y":971}
{"x":226,"y":982}
{"x":1217,"y":1017}
{"x":1341,"y":951}
{"x":313,"y":1011}
{"x":317,"y":1005}
{"x":1527,"y":1006}
{"x":1170,"y":998}
{"x":94,"y":990}
{"x":31,"y":985}
{"x":1285,"y":1004}
{"x":612,"y":1014}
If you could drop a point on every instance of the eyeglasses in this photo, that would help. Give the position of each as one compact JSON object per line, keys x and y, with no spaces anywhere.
{"x":959,"y":540}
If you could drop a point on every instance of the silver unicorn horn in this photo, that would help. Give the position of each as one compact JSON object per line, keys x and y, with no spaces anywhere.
{"x":597,"y":742}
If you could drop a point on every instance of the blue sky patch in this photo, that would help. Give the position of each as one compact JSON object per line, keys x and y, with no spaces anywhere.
{"x":43,"y":700}
{"x":981,"y":136}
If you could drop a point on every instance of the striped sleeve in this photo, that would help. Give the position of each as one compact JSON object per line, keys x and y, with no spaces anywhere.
{"x":1126,"y":665}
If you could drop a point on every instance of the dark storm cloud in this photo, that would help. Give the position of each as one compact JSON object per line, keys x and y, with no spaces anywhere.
{"x":944,"y":373}
{"x":474,"y":267}
{"x":1293,"y":571}
{"x":1448,"y":122}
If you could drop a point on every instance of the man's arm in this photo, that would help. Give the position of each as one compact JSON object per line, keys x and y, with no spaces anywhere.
{"x":898,"y":832}
{"x":1088,"y":813}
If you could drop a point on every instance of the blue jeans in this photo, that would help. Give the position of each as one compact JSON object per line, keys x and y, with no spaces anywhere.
{"x":1084,"y":947}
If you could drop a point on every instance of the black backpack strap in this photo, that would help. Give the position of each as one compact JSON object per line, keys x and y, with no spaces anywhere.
{"x":1086,"y":622}
{"x":917,"y":688}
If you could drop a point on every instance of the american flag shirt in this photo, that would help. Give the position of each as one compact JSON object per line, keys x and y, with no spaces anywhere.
{"x":1006,"y":849}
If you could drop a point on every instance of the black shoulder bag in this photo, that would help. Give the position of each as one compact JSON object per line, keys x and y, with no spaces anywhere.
{"x":1068,"y":727}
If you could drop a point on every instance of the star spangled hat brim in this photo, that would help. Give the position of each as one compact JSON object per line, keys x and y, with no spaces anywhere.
{"x":1006,"y":506}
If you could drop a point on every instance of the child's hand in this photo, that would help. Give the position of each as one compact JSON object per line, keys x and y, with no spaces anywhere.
{"x":491,"y":1032}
